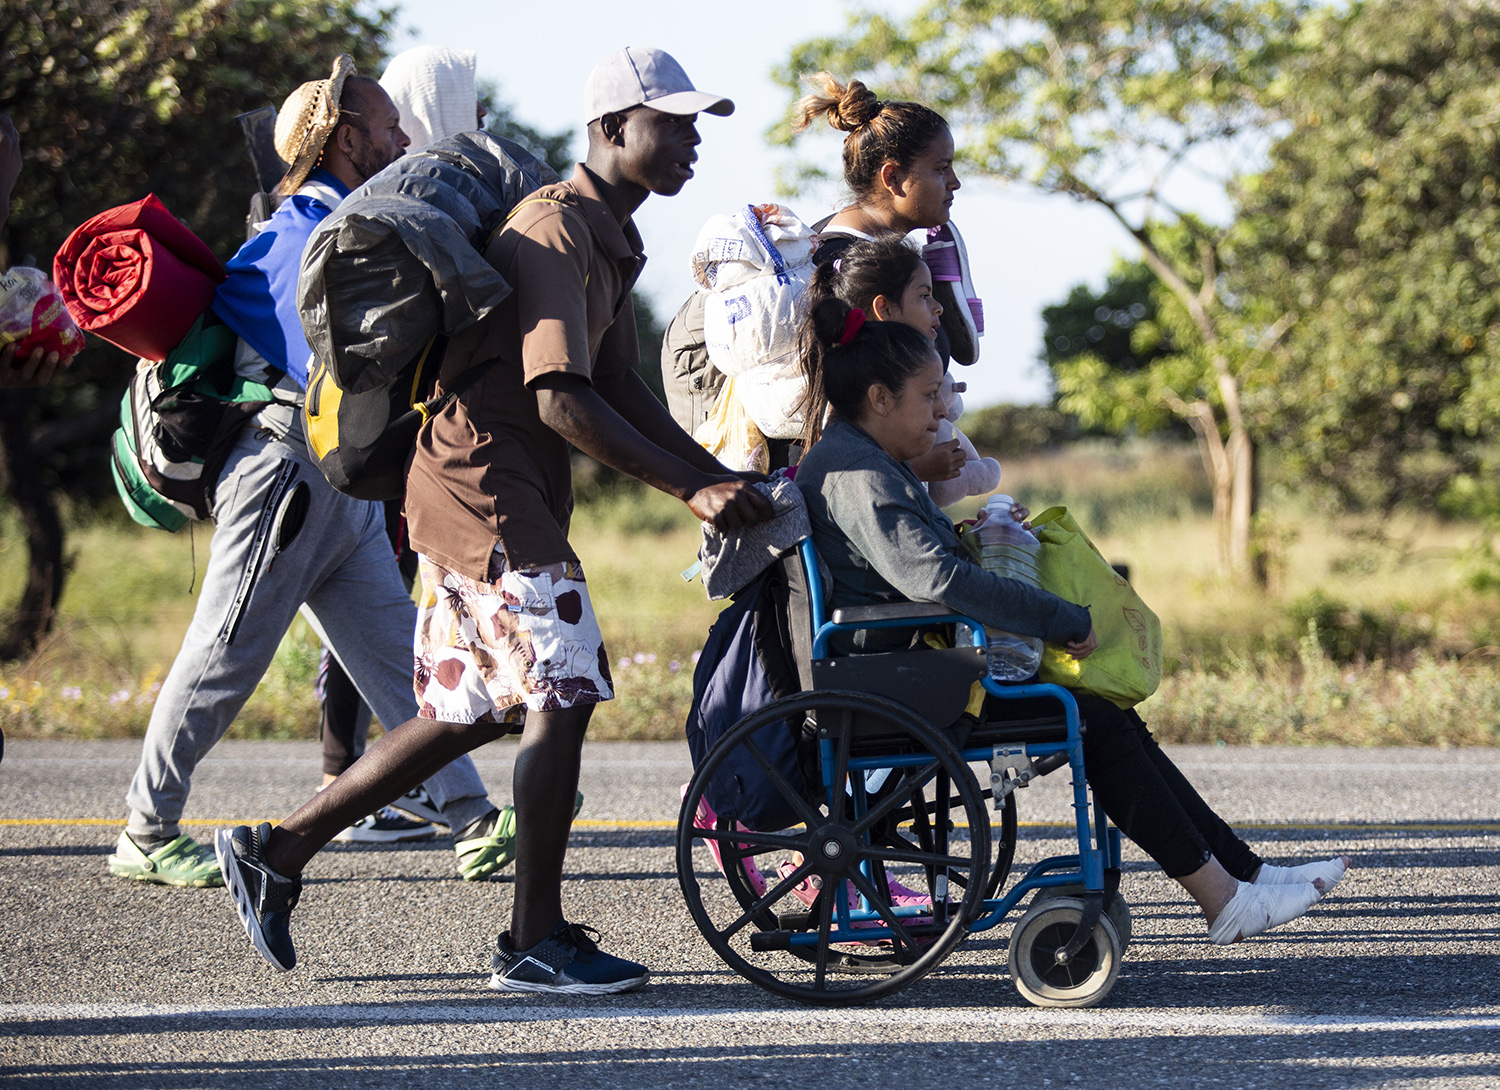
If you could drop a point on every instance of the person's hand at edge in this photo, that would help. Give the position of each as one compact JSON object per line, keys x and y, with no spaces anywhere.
{"x":730,"y":504}
{"x":36,"y":369}
{"x":943,"y":463}
{"x":1085,"y":648}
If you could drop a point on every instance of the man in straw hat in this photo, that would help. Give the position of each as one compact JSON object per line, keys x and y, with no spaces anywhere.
{"x":507,"y":633}
{"x":284,"y":538}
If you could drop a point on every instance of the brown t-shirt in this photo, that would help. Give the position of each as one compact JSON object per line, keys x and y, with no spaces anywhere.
{"x":487,"y":471}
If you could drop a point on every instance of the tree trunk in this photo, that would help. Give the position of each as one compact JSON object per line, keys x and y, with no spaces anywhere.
{"x":1242,"y":506}
{"x":31,"y":619}
{"x":1218,"y":465}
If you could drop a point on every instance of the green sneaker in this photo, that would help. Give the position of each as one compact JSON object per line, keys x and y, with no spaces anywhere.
{"x":184,"y":862}
{"x":482,"y":857}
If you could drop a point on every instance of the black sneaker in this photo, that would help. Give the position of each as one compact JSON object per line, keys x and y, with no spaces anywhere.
{"x":385,"y":826}
{"x":418,"y":803}
{"x":570,"y":963}
{"x":263,"y":900}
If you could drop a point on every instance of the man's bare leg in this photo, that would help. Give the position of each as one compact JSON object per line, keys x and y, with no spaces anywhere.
{"x":544,"y":786}
{"x":405,"y":757}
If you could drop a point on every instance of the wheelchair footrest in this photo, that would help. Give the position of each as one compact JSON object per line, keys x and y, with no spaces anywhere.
{"x":764,"y":941}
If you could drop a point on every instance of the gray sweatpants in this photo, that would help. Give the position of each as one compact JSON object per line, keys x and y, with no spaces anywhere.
{"x":341,"y":565}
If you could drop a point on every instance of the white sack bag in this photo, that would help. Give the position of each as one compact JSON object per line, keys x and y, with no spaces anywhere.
{"x":772,"y":396}
{"x":755,"y":240}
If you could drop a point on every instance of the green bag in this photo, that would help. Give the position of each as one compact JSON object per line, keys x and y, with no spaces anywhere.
{"x":1126,"y":668}
{"x":178,"y":424}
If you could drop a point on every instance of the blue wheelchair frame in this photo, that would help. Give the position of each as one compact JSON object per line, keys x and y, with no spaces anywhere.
{"x":1098,"y":841}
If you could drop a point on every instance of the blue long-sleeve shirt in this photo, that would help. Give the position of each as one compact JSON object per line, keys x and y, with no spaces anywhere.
{"x":259,"y":299}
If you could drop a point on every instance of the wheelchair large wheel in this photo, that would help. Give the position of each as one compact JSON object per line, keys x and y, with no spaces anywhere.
{"x":875,"y":884}
{"x":906,"y":825}
{"x":1084,"y":980}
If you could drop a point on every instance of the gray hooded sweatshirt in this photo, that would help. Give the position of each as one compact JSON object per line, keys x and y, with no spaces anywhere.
{"x":882,"y":539}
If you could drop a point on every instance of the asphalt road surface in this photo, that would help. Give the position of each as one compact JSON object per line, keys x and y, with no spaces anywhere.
{"x":1393,"y":981}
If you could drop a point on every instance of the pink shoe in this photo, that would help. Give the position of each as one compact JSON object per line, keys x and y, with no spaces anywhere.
{"x":808,"y":891}
{"x":901,"y":896}
{"x":705,"y":818}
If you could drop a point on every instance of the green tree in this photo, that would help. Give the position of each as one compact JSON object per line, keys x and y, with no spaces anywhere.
{"x":112,"y":100}
{"x":1107,"y":101}
{"x":1116,"y":328}
{"x":1378,"y":226}
{"x":1102,"y":322}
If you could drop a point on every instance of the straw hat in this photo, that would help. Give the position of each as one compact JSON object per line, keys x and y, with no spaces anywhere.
{"x":307,"y":119}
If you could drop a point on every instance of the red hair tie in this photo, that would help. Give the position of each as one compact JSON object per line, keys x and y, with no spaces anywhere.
{"x":852,"y":325}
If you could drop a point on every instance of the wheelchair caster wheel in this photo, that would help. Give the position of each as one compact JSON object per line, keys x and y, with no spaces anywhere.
{"x":1118,"y":911}
{"x":1081,"y":982}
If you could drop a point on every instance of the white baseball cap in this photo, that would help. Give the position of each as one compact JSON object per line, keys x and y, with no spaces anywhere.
{"x":641,"y":76}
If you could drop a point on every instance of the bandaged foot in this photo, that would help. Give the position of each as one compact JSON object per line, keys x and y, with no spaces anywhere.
{"x":1325,"y":872}
{"x":1257,"y":908}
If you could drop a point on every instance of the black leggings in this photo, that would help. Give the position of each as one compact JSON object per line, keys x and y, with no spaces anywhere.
{"x":1141,"y":790}
{"x":343,"y":719}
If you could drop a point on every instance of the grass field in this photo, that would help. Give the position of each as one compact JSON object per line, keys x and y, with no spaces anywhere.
{"x":1368,"y":638}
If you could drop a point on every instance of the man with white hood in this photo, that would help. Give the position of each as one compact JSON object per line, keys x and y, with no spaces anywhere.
{"x":433,"y":88}
{"x":283,"y":536}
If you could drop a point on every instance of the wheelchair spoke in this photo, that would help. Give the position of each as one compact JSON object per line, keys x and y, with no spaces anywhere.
{"x":772,"y":895}
{"x":919,"y":858}
{"x":898,"y":843}
{"x":911,"y":783}
{"x":737,"y":838}
{"x":877,"y":902}
{"x":841,"y":758}
{"x":805,"y":812}
{"x":825,"y":927}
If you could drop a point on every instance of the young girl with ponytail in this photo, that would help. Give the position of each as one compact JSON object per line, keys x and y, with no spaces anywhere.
{"x":882,"y":539}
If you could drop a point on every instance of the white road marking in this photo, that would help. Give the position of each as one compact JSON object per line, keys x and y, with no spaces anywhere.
{"x":1073,"y":1021}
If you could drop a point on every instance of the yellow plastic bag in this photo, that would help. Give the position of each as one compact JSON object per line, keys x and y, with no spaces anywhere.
{"x":732,"y":437}
{"x":1127,"y":666}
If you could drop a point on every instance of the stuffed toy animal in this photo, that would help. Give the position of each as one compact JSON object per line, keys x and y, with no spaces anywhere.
{"x":979,"y":475}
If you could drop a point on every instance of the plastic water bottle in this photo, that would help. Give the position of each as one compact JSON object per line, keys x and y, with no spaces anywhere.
{"x":1005,"y":548}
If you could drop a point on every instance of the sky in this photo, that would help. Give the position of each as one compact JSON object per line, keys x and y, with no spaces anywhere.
{"x":1026,"y":249}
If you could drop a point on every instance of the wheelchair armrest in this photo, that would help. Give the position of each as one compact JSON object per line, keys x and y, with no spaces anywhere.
{"x":890,"y":611}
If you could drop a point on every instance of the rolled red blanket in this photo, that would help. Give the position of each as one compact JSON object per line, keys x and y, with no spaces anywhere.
{"x":137,"y":276}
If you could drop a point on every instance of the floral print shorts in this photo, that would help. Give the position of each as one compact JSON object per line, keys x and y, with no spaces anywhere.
{"x":486,"y":652}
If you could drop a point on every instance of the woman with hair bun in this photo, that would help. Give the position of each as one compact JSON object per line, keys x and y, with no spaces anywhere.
{"x":882,"y":539}
{"x":898,"y":165}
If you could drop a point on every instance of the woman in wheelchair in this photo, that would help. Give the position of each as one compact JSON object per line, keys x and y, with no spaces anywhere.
{"x":882,"y":539}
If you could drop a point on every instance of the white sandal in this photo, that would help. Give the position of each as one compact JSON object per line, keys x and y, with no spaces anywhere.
{"x":948,"y":258}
